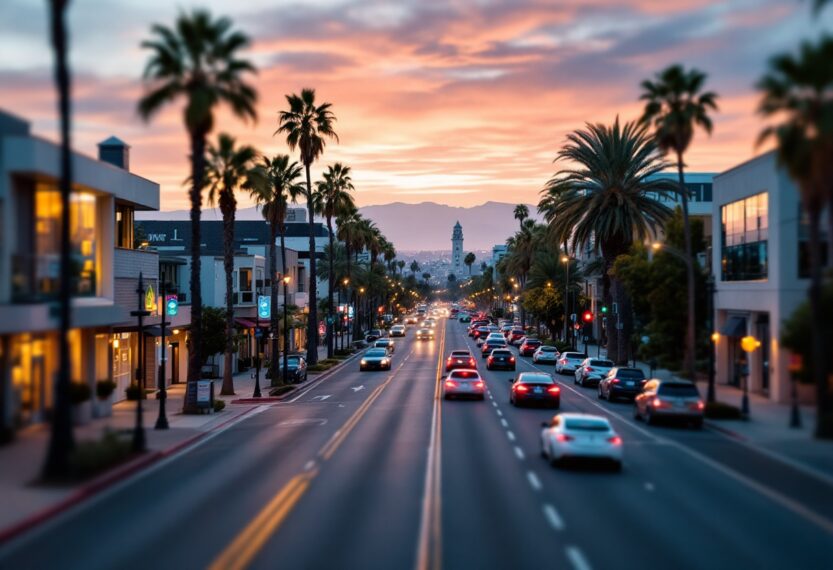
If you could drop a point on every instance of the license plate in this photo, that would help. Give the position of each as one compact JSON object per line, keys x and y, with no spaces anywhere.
{"x":629,"y":383}
{"x":538,"y":390}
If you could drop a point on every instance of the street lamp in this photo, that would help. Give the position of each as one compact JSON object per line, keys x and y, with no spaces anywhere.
{"x":286,"y":279}
{"x":749,"y":344}
{"x":566,"y":260}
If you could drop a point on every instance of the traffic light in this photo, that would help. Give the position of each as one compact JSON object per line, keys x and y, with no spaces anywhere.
{"x":587,"y":316}
{"x":604,"y":309}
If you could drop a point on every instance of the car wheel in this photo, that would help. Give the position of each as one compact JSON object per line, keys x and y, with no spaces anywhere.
{"x":648,"y":417}
{"x":636,"y":415}
{"x":599,"y":393}
{"x":447,"y":396}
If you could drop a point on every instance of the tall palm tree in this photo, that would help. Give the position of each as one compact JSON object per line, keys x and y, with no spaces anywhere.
{"x":197,"y":60}
{"x":331,"y":199}
{"x":797,"y":90}
{"x":521,"y":248}
{"x":608,"y":200}
{"x":414,"y":267}
{"x":521,"y":213}
{"x":469,"y":261}
{"x":401,"y":265}
{"x":229,"y":167}
{"x":676,"y":106}
{"x":281,"y":186}
{"x":62,"y":439}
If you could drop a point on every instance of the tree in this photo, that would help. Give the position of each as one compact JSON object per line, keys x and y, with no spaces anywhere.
{"x":676,"y":106}
{"x":197,"y":60}
{"x":401,"y":265}
{"x":521,"y":213}
{"x":521,"y":248}
{"x":62,"y":439}
{"x":414,"y":267}
{"x":426,"y":276}
{"x":229,"y":167}
{"x":469,"y":261}
{"x":307,"y":126}
{"x":273,"y":196}
{"x":331,"y":199}
{"x":214,"y":333}
{"x":797,"y":91}
{"x":608,"y":200}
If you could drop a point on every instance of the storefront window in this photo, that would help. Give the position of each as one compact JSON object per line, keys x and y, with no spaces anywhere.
{"x":744,"y":238}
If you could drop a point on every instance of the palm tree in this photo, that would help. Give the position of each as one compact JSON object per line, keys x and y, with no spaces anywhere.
{"x":521,"y":213}
{"x":281,"y":186}
{"x":307,"y":127}
{"x":797,"y":90}
{"x":607,"y":200}
{"x":401,"y":265}
{"x":62,"y":439}
{"x":469,"y":261}
{"x":197,"y":60}
{"x":426,"y":276}
{"x":414,"y":267}
{"x":332,"y":198}
{"x":229,"y":167}
{"x":521,"y":248}
{"x":676,"y":106}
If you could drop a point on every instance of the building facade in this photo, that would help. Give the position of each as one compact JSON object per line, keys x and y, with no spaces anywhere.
{"x":457,"y":255}
{"x":760,"y":265}
{"x":104,"y":196}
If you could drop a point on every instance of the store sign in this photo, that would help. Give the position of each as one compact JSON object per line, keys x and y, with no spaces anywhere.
{"x":171,"y":305}
{"x":150,"y":298}
{"x":264,"y":307}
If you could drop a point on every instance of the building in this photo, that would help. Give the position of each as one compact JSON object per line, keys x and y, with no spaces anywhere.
{"x":105,"y":265}
{"x":700,"y":194}
{"x":457,"y":256}
{"x":760,"y":267}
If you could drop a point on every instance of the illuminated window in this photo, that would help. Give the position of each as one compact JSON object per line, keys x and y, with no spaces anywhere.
{"x":744,"y":226}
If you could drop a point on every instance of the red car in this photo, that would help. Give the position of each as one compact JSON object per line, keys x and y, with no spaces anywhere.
{"x":460,"y":359}
{"x":515,"y":335}
{"x":529,"y":346}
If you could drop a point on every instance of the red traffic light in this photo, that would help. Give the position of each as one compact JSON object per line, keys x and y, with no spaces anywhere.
{"x":587,"y":316}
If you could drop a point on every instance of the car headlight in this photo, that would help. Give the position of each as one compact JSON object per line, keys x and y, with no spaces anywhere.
{"x":364,"y":361}
{"x":385,"y":361}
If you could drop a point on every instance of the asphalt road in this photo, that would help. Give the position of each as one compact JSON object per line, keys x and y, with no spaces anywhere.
{"x":372,"y":470}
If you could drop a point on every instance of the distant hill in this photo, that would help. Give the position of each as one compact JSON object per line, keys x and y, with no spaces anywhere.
{"x":412,"y":227}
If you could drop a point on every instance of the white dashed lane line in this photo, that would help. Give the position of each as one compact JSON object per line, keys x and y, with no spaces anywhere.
{"x":504,"y":423}
{"x":577,"y":559}
{"x":510,"y":435}
{"x":534,"y":481}
{"x":519,"y":453}
{"x":552,"y":516}
{"x":499,"y":413}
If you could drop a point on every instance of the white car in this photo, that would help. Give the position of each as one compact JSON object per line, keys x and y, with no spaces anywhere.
{"x":545,"y":354}
{"x":591,"y":371}
{"x":572,"y":435}
{"x":464,"y":382}
{"x":569,"y":361}
{"x":397,"y":330}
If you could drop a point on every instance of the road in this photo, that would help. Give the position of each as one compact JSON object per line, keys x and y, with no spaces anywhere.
{"x":372,"y":470}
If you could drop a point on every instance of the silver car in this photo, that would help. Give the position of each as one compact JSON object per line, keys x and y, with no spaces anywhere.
{"x":669,"y":399}
{"x":591,"y":371}
{"x":569,"y":361}
{"x":545,"y":353}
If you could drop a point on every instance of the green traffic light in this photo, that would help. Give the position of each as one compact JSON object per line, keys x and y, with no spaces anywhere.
{"x":604,"y":309}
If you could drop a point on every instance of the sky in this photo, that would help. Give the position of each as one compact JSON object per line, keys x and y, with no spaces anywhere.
{"x":457,"y":101}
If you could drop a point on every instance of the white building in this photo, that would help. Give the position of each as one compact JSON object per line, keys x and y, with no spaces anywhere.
{"x":760,"y":269}
{"x":105,"y":266}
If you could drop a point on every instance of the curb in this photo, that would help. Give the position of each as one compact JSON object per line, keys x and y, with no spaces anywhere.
{"x":103,"y":481}
{"x":725,"y":431}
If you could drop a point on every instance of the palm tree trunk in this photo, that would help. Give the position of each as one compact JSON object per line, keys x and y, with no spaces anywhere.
{"x":350,"y":296}
{"x":62,"y":439}
{"x":691,"y":333}
{"x":331,"y":282}
{"x":274,"y":321}
{"x":824,"y":421}
{"x":830,"y":233}
{"x":312,"y":321}
{"x":228,"y":266}
{"x":285,"y":301}
{"x":195,"y":359}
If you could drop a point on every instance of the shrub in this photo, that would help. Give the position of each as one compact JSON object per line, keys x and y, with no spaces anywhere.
{"x":92,"y":457}
{"x":133,"y":392}
{"x":219,"y":405}
{"x":722,"y":411}
{"x":104,"y":388}
{"x":562,"y":346}
{"x":281,"y":390}
{"x":79,"y":392}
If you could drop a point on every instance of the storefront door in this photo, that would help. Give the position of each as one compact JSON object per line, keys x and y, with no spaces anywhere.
{"x":174,"y":362}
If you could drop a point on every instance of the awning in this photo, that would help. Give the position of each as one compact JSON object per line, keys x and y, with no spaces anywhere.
{"x":734,"y":326}
{"x":156,"y":330}
{"x":249,"y":323}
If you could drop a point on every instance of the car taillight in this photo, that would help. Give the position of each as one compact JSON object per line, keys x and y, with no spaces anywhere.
{"x":615,"y":440}
{"x":449,"y":360}
{"x":471,"y":361}
{"x":490,"y":360}
{"x":553,"y":389}
{"x":614,"y":381}
{"x":521,"y":388}
{"x":698,"y":405}
{"x":511,"y":359}
{"x":588,"y":369}
{"x":450,"y":384}
{"x":657,"y":403}
{"x":478,"y":384}
{"x":564,"y":437}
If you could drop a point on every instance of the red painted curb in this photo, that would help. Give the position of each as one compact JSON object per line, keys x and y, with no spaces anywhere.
{"x":263,"y":399}
{"x":106,"y":479}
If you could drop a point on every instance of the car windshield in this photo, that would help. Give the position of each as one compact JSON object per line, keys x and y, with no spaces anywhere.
{"x":375,"y":352}
{"x":375,"y":332}
{"x":586,"y":424}
{"x":548,"y":349}
{"x":292,"y":360}
{"x":630,"y":373}
{"x":532,"y":341}
{"x":679,"y":390}
{"x":535,"y":379}
{"x":461,"y":353}
{"x":602,"y":363}
{"x":495,"y":342}
{"x":501,"y":353}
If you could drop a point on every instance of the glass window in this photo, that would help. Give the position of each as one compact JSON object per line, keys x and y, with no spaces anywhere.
{"x":804,"y":244}
{"x":744,"y":234}
{"x":679,"y":390}
{"x":124,"y":227}
{"x":586,"y":425}
{"x":245,"y":283}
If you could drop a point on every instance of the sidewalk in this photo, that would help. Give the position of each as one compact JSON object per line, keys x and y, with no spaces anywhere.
{"x":767,"y":428}
{"x":20,"y":462}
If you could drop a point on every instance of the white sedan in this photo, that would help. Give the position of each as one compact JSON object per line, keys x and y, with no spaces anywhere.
{"x":464,"y":382}
{"x":572,"y":435}
{"x":545,"y":353}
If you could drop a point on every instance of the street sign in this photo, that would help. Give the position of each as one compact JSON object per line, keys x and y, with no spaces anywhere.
{"x":264,"y":306}
{"x":330,"y":319}
{"x":258,"y":332}
{"x":171,"y":305}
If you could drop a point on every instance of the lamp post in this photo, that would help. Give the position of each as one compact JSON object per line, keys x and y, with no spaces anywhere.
{"x":286,"y":279}
{"x":749,"y":344}
{"x":566,"y":261}
{"x":256,"y":393}
{"x":162,"y":419}
{"x":359,"y":307}
{"x":715,"y":338}
{"x":140,"y":313}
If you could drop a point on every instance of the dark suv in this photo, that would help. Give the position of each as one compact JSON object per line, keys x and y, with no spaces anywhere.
{"x":490,"y":345}
{"x":621,"y":382}
{"x":529,"y":346}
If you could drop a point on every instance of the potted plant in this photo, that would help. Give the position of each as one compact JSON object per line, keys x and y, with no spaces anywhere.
{"x":80,"y":395}
{"x":104,"y":403}
{"x":133,"y":392}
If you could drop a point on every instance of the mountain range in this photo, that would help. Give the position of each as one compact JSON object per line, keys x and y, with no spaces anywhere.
{"x":412,"y":227}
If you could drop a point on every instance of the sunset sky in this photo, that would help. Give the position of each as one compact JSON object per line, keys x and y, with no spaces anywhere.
{"x":457,"y":102}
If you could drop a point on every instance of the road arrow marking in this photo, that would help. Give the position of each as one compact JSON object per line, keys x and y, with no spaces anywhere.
{"x":358,"y":388}
{"x":321,"y":398}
